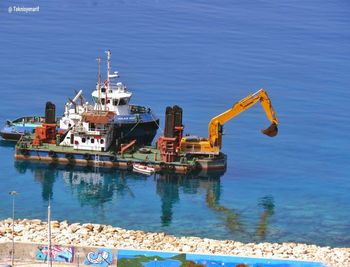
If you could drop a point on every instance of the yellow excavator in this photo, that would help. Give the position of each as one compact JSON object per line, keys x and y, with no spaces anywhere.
{"x":212,"y":144}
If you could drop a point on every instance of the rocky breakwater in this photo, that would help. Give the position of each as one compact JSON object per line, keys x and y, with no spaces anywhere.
{"x":89,"y":234}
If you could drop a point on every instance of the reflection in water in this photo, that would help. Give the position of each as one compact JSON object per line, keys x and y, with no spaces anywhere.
{"x":232,"y":218}
{"x":168,"y":186}
{"x":168,"y":191}
{"x":91,"y":187}
{"x":46,"y":175}
{"x":267,"y":203}
{"x":47,"y":180}
{"x":95,"y":187}
{"x":5,"y":143}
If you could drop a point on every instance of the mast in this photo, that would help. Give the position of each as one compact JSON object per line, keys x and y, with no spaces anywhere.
{"x":108,"y":74}
{"x":99,"y":83}
{"x":108,"y":66}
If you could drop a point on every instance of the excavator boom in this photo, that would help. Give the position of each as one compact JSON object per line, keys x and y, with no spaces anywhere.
{"x":215,"y":125}
{"x":213,"y":144}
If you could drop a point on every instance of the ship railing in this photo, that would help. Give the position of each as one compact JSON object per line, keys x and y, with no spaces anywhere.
{"x":97,"y":131}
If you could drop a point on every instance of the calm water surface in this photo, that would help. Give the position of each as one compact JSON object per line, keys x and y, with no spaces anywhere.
{"x":203,"y":56}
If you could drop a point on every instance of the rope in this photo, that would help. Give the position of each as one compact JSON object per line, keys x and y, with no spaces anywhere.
{"x":132,"y":129}
{"x":156,"y":122}
{"x":140,"y":121}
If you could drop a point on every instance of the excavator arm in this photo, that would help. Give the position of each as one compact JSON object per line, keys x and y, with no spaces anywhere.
{"x":212,"y":144}
{"x":215,"y":125}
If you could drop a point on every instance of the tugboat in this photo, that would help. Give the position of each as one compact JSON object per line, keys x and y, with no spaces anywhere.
{"x":129,"y":122}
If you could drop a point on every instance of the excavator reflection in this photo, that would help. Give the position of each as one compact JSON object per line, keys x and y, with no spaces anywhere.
{"x":96,"y":187}
{"x":168,"y":188}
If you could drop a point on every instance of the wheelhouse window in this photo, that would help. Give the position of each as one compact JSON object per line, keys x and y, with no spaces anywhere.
{"x":123,"y":101}
{"x":120,"y":101}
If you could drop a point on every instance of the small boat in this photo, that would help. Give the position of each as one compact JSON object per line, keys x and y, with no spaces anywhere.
{"x":13,"y":130}
{"x":144,"y":169}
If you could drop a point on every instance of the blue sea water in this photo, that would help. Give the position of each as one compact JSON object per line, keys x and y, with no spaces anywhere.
{"x":204,"y":56}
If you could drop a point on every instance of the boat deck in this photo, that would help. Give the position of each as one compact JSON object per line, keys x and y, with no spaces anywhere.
{"x":136,"y":155}
{"x":147,"y":155}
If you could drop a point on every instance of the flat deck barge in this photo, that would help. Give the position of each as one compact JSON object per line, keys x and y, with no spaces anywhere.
{"x":148,"y":155}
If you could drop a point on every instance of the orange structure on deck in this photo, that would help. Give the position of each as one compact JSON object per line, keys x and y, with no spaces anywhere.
{"x":45,"y":134}
{"x":168,"y":144}
{"x":98,"y":116}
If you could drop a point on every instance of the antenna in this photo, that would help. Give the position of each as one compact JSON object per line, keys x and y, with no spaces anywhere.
{"x":99,"y":70}
{"x":108,"y":66}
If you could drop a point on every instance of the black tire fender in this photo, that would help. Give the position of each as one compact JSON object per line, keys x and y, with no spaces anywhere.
{"x":69,"y":156}
{"x":171,"y":167}
{"x":87,"y":156}
{"x":52,"y":154}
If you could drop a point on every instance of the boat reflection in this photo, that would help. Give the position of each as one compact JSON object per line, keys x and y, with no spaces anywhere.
{"x":5,"y":143}
{"x":168,"y":188}
{"x":95,"y":187}
{"x":169,"y":185}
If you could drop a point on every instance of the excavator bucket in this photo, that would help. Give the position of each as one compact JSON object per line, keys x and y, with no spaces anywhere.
{"x":271,"y":131}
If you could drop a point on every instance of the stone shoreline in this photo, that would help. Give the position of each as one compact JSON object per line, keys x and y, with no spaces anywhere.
{"x":77,"y":234}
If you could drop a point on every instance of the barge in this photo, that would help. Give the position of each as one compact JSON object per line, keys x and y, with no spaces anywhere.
{"x":82,"y":145}
{"x":147,"y":155}
{"x":92,"y":136}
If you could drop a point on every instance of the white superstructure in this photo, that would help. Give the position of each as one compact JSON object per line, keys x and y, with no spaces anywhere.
{"x":112,"y":95}
{"x":73,"y":111}
{"x":92,"y":132}
{"x":89,"y":127}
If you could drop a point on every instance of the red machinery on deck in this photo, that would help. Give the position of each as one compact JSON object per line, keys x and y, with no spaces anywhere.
{"x":168,"y":144}
{"x":46,"y":133}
